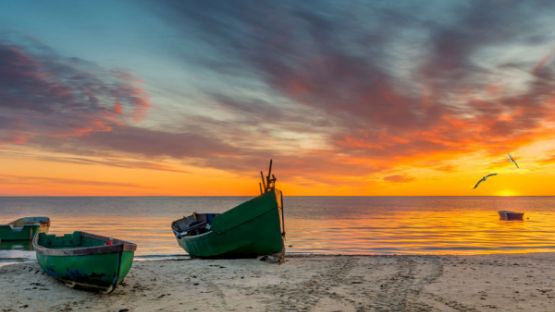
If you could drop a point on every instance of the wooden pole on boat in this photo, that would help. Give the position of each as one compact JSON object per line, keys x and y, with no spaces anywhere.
{"x":282,"y":216}
{"x":260,"y":186}
{"x":263,"y":180}
{"x":270,"y":178}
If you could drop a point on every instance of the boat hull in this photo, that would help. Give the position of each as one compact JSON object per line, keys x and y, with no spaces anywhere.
{"x":510,"y":215}
{"x":24,"y":233}
{"x":24,"y":229}
{"x":249,"y":230}
{"x":16,"y":245}
{"x":99,"y":267}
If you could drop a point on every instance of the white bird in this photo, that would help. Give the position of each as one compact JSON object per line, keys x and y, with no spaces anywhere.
{"x":483,"y":179}
{"x":513,"y":161}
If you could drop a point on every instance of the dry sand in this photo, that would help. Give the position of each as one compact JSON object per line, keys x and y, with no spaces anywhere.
{"x":313,"y":283}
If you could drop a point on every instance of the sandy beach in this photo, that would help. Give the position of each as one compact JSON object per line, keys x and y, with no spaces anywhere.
{"x":520,"y":282}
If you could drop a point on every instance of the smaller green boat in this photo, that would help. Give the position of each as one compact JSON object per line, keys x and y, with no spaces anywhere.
{"x":85,"y":260}
{"x":24,"y":229}
{"x":17,"y":245}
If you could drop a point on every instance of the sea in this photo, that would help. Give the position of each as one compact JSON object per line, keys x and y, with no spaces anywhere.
{"x":313,"y":225}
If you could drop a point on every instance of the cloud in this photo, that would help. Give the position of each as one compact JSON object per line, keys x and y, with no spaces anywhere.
{"x":398,"y":178}
{"x":45,"y":95}
{"x":113,"y":161}
{"x":330,"y":90}
{"x":548,"y":161}
{"x":155,"y":143}
{"x":73,"y":106}
{"x":34,"y":180}
{"x":392,"y":80}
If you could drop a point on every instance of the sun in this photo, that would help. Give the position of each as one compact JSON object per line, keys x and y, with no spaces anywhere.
{"x":506,"y":193}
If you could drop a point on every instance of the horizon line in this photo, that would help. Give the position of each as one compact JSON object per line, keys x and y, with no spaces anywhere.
{"x":138,"y":196}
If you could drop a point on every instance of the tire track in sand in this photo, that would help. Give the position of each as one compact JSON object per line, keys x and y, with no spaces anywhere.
{"x":394,"y":290}
{"x":306,"y":295}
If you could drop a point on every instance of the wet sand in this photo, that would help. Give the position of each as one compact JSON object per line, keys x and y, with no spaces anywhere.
{"x":311,"y":283}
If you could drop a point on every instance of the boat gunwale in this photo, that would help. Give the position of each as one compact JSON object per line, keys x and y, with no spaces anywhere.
{"x":118,"y":246}
{"x":20,"y":228}
{"x":189,"y":237}
{"x":510,"y":212}
{"x":41,"y":220}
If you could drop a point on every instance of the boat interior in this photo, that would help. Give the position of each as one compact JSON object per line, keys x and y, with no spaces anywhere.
{"x":19,"y":228}
{"x":76,"y":239}
{"x":30,"y":220}
{"x":195,"y":224}
{"x":19,"y":224}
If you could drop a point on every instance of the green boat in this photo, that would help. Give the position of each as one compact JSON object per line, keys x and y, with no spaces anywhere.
{"x":254,"y":228}
{"x":85,"y":260}
{"x":24,"y":229}
{"x":17,"y":245}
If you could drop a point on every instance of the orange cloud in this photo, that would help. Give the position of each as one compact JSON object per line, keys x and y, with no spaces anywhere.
{"x":398,"y":178}
{"x":548,"y":161}
{"x":118,"y":108}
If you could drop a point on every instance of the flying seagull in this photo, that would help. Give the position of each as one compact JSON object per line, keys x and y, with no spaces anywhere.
{"x":513,"y":161}
{"x":483,"y":179}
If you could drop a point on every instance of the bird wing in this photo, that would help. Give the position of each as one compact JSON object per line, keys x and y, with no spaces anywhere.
{"x":513,"y":161}
{"x":479,"y":181}
{"x":483,"y":179}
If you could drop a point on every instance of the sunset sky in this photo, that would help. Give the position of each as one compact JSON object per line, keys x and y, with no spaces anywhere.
{"x":347,"y":97}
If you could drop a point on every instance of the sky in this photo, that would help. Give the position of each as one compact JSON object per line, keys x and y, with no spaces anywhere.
{"x":377,"y":98}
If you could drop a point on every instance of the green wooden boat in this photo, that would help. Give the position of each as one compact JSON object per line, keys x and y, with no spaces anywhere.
{"x":24,"y":229}
{"x":17,"y":245}
{"x":85,"y":260}
{"x":254,"y":228}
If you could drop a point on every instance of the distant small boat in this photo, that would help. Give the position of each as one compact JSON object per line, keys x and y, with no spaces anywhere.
{"x":24,"y":229}
{"x":85,"y":260}
{"x":254,"y":228}
{"x":510,"y":215}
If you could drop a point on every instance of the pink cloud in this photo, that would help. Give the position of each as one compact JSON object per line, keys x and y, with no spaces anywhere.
{"x":45,"y":95}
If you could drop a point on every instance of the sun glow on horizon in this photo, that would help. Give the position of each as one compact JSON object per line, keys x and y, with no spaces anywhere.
{"x":506,"y":193}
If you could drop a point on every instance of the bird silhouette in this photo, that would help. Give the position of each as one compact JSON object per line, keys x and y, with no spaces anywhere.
{"x":483,"y":179}
{"x":511,"y":159}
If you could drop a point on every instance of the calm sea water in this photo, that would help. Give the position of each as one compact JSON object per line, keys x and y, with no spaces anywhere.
{"x":330,"y":225}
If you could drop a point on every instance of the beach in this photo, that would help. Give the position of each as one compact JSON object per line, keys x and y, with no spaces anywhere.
{"x":516,"y":282}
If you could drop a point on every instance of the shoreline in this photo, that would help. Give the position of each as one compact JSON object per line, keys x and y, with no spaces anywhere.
{"x":498,"y":282}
